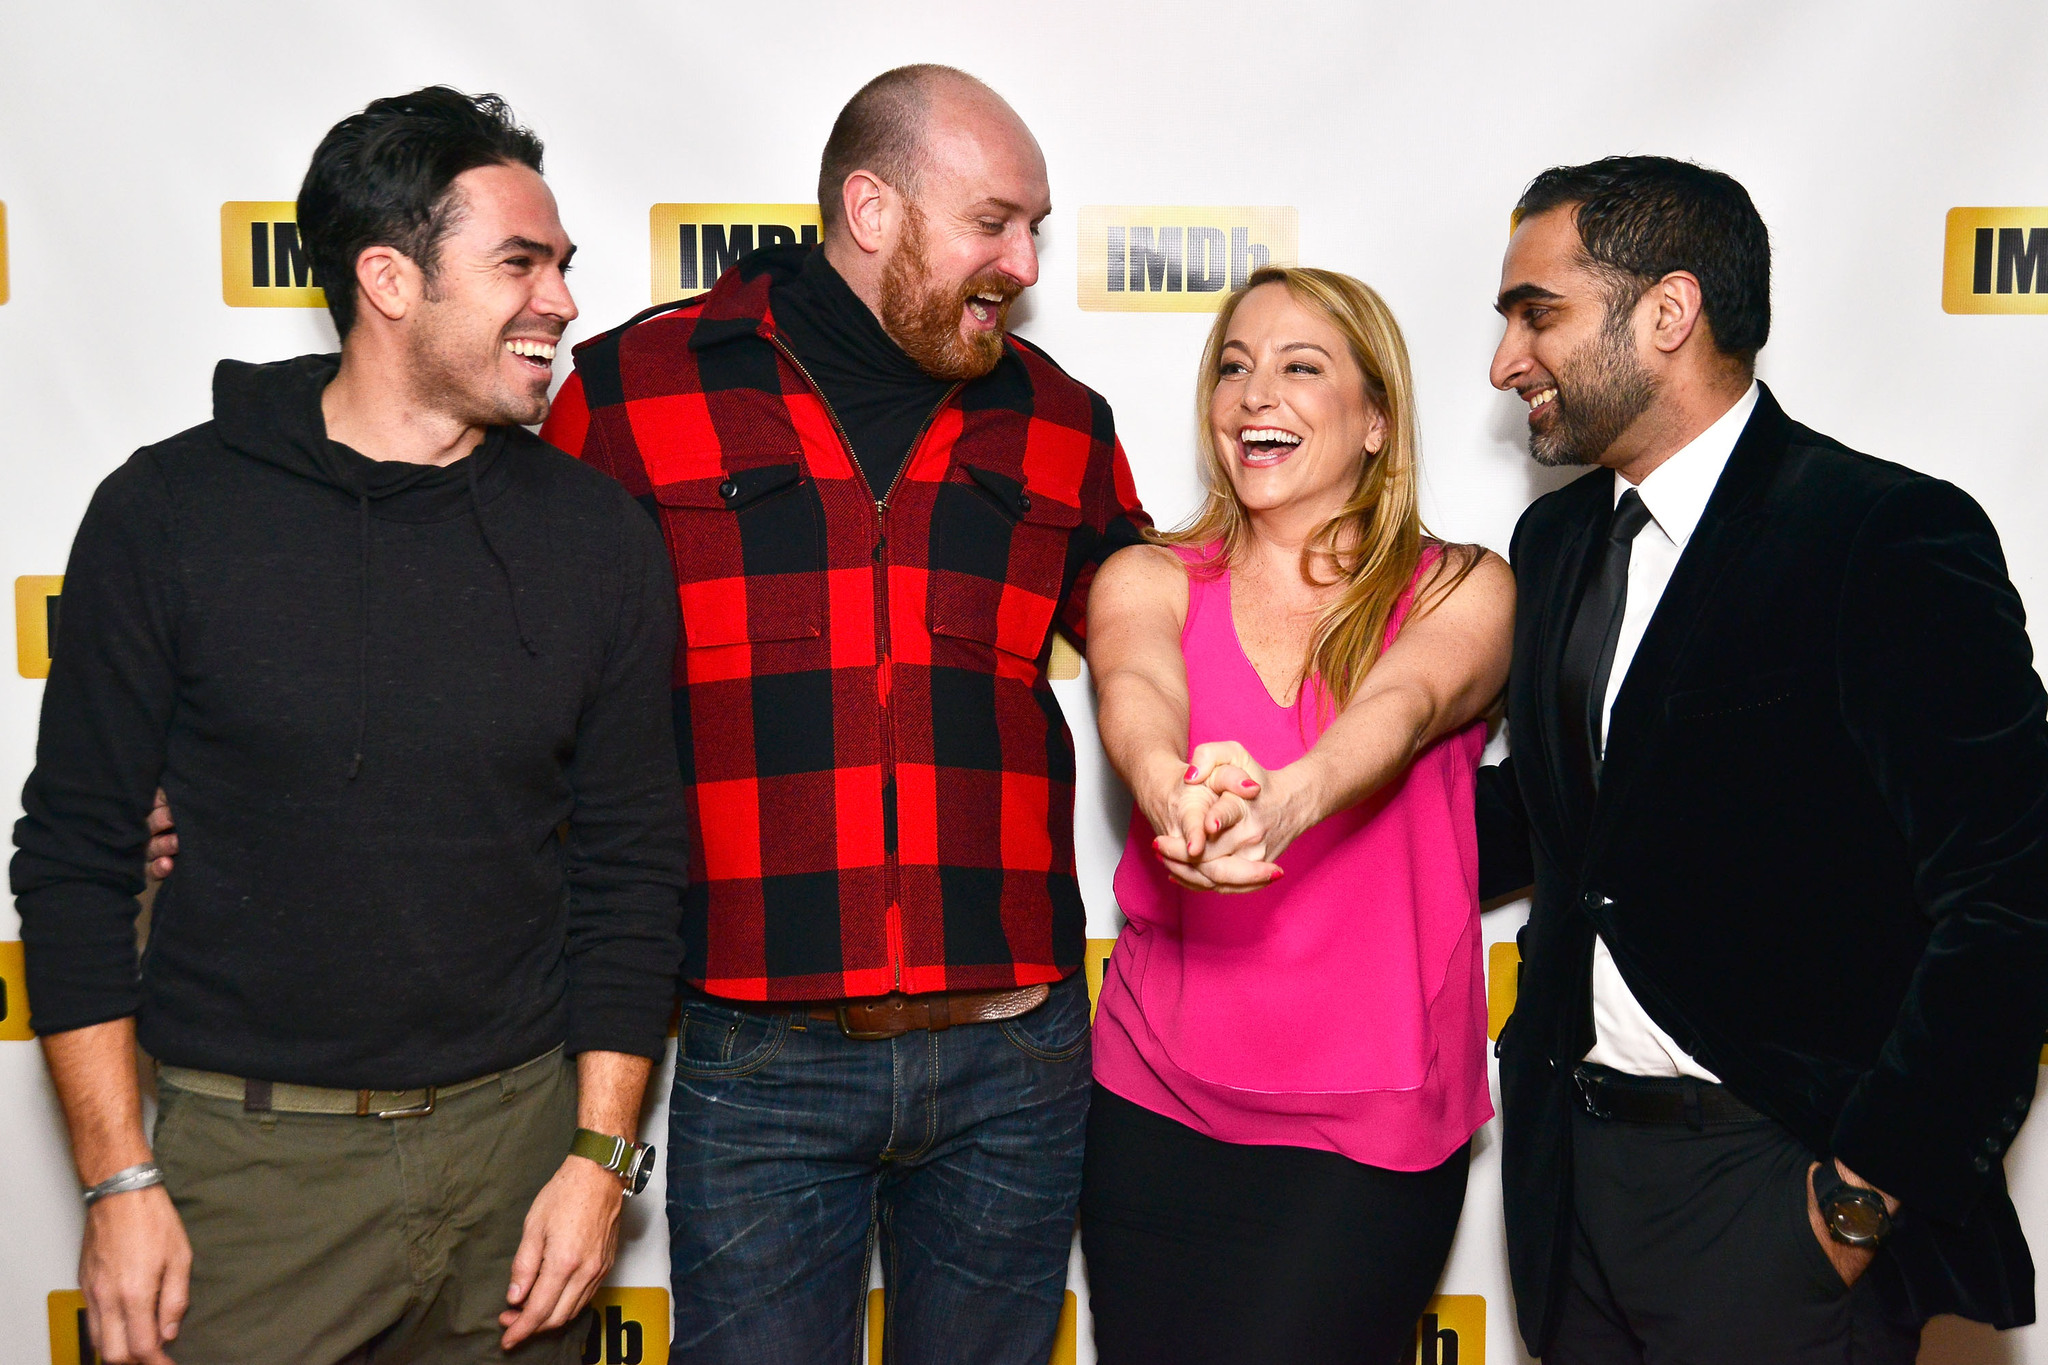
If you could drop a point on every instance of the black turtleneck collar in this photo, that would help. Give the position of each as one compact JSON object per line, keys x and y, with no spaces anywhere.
{"x":880,"y":396}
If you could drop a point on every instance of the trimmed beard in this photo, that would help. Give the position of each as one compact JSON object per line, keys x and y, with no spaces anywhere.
{"x":1601,"y":390}
{"x":924,"y":318}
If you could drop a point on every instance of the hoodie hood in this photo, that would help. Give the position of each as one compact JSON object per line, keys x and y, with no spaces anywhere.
{"x":271,"y":414}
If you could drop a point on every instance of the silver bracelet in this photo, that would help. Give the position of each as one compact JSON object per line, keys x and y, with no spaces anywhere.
{"x":123,"y":1181}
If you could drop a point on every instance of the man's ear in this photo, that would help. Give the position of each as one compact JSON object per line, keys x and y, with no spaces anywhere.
{"x":1676,"y":299}
{"x":868,"y":204}
{"x":388,"y":281}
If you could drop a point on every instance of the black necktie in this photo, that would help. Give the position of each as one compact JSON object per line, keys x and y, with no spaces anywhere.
{"x":1589,"y":649}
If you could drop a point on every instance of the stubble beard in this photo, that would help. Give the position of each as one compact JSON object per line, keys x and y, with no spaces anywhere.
{"x":924,"y":317}
{"x":1601,"y":391}
{"x":449,"y":377}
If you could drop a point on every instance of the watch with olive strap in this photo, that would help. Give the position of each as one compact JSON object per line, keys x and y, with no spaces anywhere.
{"x":1855,"y":1214}
{"x":632,"y":1162}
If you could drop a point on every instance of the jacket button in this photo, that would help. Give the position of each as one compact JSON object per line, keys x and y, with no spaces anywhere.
{"x":1993,"y":1146}
{"x":1023,"y":502}
{"x":728,"y":490}
{"x":2009,"y":1125}
{"x":1982,"y":1165}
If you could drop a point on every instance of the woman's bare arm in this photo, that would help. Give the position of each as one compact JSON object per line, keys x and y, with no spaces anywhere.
{"x":1443,"y":671}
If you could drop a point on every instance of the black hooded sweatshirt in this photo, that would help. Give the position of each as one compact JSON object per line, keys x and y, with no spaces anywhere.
{"x":414,"y":725}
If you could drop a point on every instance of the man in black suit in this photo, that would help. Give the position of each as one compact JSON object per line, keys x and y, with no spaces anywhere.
{"x":1780,"y":780}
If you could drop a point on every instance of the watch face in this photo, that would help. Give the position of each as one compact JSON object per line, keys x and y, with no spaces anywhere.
{"x":1857,"y":1218}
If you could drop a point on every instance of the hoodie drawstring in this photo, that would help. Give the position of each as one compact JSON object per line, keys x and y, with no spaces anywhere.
{"x":476,"y":509}
{"x":355,"y":764}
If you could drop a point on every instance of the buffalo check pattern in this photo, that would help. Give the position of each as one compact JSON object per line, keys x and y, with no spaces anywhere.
{"x":880,"y":779}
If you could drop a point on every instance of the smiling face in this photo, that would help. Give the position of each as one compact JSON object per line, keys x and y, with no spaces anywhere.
{"x":968,"y":245}
{"x":1566,"y":350}
{"x":481,"y":343}
{"x":1290,"y":418}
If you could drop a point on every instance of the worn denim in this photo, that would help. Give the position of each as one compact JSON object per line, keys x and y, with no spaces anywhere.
{"x":792,"y":1148}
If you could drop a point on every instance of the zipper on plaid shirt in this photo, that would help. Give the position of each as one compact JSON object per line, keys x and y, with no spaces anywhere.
{"x":884,"y":652}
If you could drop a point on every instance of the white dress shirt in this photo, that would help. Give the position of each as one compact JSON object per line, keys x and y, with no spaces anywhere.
{"x":1675,"y":494}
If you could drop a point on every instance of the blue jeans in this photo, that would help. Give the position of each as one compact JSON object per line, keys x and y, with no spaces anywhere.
{"x":792,"y":1147}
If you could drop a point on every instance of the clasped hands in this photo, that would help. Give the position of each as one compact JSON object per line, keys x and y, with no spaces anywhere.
{"x":1222,"y":823}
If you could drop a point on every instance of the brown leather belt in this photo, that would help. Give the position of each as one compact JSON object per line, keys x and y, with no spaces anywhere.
{"x":892,"y":1016}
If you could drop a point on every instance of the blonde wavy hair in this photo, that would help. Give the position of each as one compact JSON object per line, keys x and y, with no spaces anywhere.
{"x":1375,"y":542}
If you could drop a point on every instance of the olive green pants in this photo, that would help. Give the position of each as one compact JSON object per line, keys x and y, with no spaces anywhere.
{"x":319,"y":1239}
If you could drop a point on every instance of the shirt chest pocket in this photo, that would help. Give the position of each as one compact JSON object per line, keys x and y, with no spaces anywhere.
{"x":998,"y":558}
{"x":749,"y":553}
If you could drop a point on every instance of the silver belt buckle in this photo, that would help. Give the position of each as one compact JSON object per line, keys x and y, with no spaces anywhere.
{"x":415,"y":1111}
{"x":1585,"y":1085}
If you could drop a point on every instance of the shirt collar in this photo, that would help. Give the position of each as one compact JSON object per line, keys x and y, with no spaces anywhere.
{"x":1676,"y":491}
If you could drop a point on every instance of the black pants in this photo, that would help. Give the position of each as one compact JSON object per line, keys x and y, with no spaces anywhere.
{"x":1200,"y":1250}
{"x":1693,"y":1248}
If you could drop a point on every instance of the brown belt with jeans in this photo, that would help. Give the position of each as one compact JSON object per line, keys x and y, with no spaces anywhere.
{"x":893,"y":1015}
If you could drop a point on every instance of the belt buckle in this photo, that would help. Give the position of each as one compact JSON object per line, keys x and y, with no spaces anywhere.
{"x":1586,"y":1085}
{"x":415,"y":1111}
{"x":863,"y":1035}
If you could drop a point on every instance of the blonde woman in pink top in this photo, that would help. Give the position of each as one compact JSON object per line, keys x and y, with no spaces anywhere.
{"x":1290,"y":1044}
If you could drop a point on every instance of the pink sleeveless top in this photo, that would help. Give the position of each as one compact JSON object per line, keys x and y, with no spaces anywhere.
{"x":1343,"y":1008}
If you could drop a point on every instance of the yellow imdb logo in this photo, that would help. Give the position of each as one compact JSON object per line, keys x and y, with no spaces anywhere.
{"x":70,"y":1340}
{"x":691,"y":245}
{"x":1452,"y":1332}
{"x":1503,"y":985}
{"x":1995,"y":261}
{"x":1063,"y":1342}
{"x":13,"y":995}
{"x":627,"y":1327}
{"x":1065,"y":664}
{"x":1177,"y":260}
{"x":263,"y":262}
{"x":1094,"y":960}
{"x":35,"y":622}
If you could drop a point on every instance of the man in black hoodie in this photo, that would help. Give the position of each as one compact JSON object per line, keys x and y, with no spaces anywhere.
{"x":402,"y":670}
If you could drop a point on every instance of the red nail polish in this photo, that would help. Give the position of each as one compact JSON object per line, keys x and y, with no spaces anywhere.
{"x":1250,"y":785}
{"x":1192,"y":770}
{"x":1278,"y":873}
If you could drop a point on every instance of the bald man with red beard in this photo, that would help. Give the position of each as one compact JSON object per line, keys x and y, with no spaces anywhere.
{"x":879,"y":505}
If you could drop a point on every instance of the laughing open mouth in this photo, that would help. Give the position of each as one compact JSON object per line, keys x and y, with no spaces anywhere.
{"x":1259,"y":446}
{"x":986,"y":307}
{"x":538,"y":354}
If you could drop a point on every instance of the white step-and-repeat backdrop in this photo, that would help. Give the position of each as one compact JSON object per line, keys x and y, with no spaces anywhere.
{"x":149,"y":154}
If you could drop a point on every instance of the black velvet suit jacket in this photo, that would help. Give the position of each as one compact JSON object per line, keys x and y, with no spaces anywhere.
{"x":1819,"y":851}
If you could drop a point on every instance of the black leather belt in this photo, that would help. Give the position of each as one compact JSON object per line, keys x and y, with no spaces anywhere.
{"x":1609,"y":1094}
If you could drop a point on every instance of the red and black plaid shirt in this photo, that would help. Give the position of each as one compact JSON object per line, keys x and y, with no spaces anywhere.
{"x":880,"y":780}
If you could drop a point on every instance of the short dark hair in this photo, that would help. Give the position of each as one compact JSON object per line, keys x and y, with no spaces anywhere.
{"x":1642,"y":217}
{"x":881,"y":129}
{"x":382,"y":178}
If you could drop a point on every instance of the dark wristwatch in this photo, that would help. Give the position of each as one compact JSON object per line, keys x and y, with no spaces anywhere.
{"x":1855,"y":1214}
{"x":631,"y":1162}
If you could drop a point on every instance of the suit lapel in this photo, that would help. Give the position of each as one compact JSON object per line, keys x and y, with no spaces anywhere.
{"x":1558,"y":590}
{"x":1733,"y":517}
